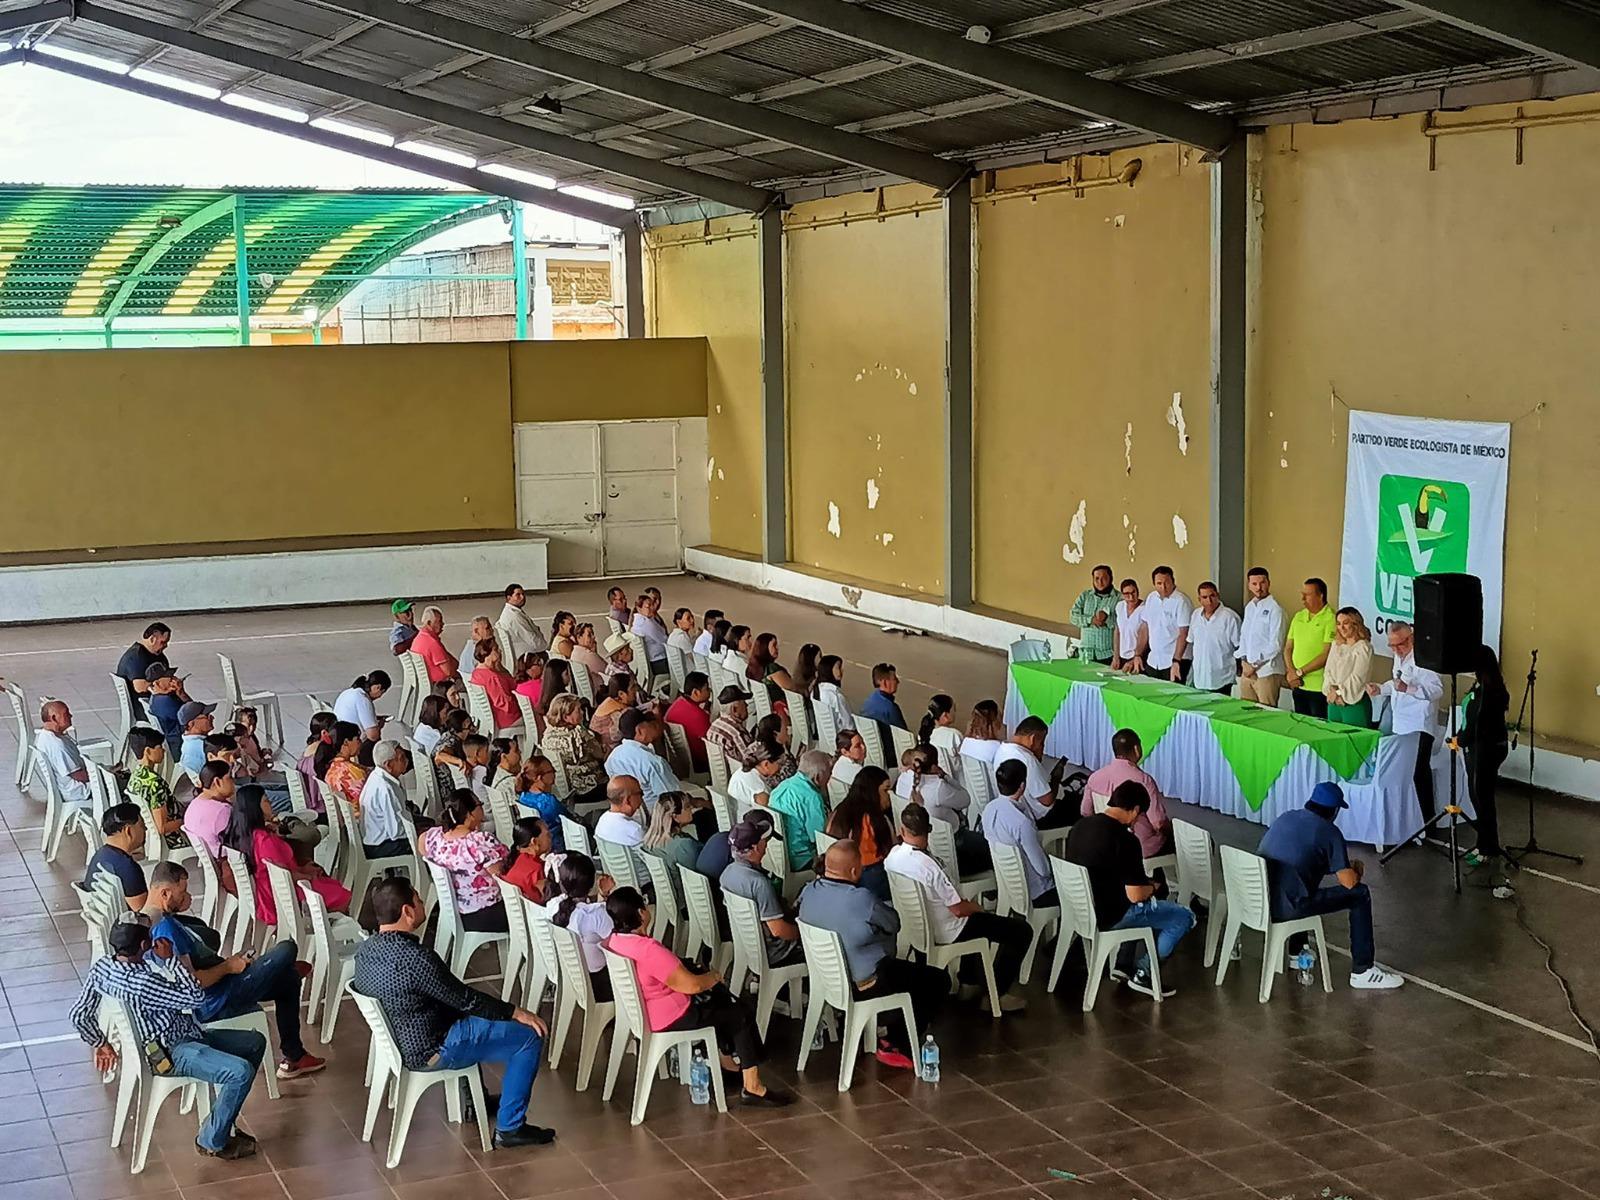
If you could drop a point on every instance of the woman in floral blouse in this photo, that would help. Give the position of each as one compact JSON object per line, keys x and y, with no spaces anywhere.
{"x":336,"y":764}
{"x":472,"y":857}
{"x":567,"y":742}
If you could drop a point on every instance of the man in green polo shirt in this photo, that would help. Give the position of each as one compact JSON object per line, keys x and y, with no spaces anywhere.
{"x":1095,"y":614}
{"x":1306,"y":649}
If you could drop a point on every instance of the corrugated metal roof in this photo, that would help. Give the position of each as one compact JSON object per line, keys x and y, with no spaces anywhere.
{"x":725,"y":47}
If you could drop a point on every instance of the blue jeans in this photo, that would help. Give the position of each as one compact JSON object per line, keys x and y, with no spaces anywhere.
{"x":228,"y":1059}
{"x":478,"y":1040}
{"x":1170,"y":921}
{"x":270,"y":977}
{"x":1357,"y":901}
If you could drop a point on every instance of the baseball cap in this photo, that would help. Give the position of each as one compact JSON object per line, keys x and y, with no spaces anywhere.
{"x":731,"y":693}
{"x":157,"y":671}
{"x":400,"y":606}
{"x":128,"y":938}
{"x":1329,"y":796}
{"x":193,"y":709}
{"x":746,"y":836}
{"x":616,"y":642}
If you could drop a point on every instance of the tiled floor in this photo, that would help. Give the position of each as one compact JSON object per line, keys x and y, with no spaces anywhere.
{"x":1398,"y":1097}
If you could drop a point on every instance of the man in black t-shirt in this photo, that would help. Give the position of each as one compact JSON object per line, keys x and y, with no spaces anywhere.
{"x":134,"y":666}
{"x":123,"y":827}
{"x":1124,"y":896}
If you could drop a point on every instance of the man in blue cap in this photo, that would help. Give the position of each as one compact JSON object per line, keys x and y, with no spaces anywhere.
{"x":1301,"y":849}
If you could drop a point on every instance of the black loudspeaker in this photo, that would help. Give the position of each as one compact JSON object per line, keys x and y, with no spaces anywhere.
{"x":1449,"y":622}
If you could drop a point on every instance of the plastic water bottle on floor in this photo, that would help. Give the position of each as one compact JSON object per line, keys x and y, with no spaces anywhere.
{"x":929,"y":1067}
{"x":672,"y":1064}
{"x":1305,"y":965}
{"x":700,"y":1078}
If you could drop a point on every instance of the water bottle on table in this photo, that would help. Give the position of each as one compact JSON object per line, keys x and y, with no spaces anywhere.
{"x":700,"y":1078}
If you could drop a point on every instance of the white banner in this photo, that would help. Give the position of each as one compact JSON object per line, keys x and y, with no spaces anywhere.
{"x":1422,"y":497}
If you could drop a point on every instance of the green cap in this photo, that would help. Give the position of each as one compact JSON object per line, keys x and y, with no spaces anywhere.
{"x":400,"y":606}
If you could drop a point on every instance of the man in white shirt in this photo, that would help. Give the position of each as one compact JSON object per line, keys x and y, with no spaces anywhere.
{"x":1163,"y":651}
{"x":952,"y":919}
{"x":385,"y":829}
{"x":1026,"y":749}
{"x":60,"y":753}
{"x":1214,"y":642}
{"x":683,"y":632}
{"x":522,"y":632}
{"x":702,"y":644}
{"x":1129,"y":623}
{"x":852,"y":756}
{"x":1414,"y":693}
{"x":482,"y":631}
{"x":1007,"y":822}
{"x":620,"y":824}
{"x":1261,"y":635}
{"x":635,"y":758}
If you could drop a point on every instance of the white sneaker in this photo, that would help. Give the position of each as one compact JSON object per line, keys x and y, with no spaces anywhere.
{"x":1376,"y":979}
{"x":1008,"y":1004}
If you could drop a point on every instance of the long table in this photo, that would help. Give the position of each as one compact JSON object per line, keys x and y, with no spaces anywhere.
{"x":1223,"y":753}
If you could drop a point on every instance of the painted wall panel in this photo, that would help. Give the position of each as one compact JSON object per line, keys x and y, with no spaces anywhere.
{"x":630,"y":378}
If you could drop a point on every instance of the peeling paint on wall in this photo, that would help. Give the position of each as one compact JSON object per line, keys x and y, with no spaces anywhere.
{"x":1072,"y":549}
{"x":872,"y":493}
{"x":852,"y":596}
{"x":1180,"y":531}
{"x":1133,"y":543}
{"x":1175,"y":418}
{"x":833,"y":518}
{"x":1284,"y":461}
{"x":886,"y":538}
{"x":720,"y":475}
{"x":1127,"y":447}
{"x":912,"y":389}
{"x":711,"y":467}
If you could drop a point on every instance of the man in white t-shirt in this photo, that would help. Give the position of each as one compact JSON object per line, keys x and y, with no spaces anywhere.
{"x":1214,"y":642}
{"x":1163,"y":651}
{"x":65,"y":762}
{"x":1043,"y":779}
{"x":620,"y":824}
{"x":1414,"y":693}
{"x":952,"y":919}
{"x":1129,"y":624}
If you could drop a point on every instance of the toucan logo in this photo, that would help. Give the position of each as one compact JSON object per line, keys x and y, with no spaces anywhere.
{"x":1423,"y":527}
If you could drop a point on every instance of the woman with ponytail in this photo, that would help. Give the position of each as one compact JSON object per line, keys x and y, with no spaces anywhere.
{"x":576,"y":908}
{"x":354,"y":704}
{"x":985,"y":732}
{"x":924,"y":781}
{"x":829,"y":691}
{"x":472,"y":858}
{"x":938,"y":729}
{"x":336,"y":763}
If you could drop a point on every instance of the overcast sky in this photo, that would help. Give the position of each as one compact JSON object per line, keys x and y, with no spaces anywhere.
{"x":61,"y":130}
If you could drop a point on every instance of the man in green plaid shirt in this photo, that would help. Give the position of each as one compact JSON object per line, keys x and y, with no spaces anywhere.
{"x":1094,"y":613}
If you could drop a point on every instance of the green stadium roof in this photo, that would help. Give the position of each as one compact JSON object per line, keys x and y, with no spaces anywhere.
{"x":112,"y":252}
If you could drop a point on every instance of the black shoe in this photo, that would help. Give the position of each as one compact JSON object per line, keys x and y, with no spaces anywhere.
{"x":767,"y":1099}
{"x":528,"y":1135}
{"x":491,"y":1104}
{"x":235,"y":1147}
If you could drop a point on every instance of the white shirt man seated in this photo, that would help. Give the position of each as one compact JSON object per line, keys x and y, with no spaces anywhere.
{"x":61,"y":754}
{"x":620,"y":823}
{"x":1043,"y":776}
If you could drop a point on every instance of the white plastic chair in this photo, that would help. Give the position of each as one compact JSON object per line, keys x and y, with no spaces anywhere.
{"x":617,"y":861}
{"x":979,"y":783}
{"x":265,"y":702}
{"x":1244,"y":875}
{"x":704,"y":933}
{"x":838,"y":789}
{"x":576,"y":993}
{"x":530,"y":723}
{"x":408,"y":691}
{"x":256,"y":1022}
{"x":872,"y":735}
{"x":409,"y":1086}
{"x":722,"y":807}
{"x":575,"y":836}
{"x":519,"y":947}
{"x":942,"y":846}
{"x":361,"y":870}
{"x":247,"y":930}
{"x":419,"y":666}
{"x":631,"y":1025}
{"x":136,"y":1078}
{"x":450,"y":937}
{"x":902,"y":740}
{"x":502,"y":807}
{"x":677,"y":669}
{"x":215,"y":906}
{"x":286,"y":902}
{"x":666,"y":914}
{"x":543,"y":969}
{"x":19,"y":713}
{"x":1027,"y":649}
{"x":127,"y":718}
{"x":583,"y":683}
{"x":680,"y":754}
{"x":750,"y":958}
{"x":800,"y":736}
{"x":829,"y":978}
{"x":717,"y":767}
{"x":911,"y":901}
{"x":827,"y":728}
{"x":823,"y":842}
{"x":1197,"y":876}
{"x":1100,"y":946}
{"x":1012,"y":899}
{"x":333,"y":967}
{"x":58,"y":814}
{"x":478,"y":706}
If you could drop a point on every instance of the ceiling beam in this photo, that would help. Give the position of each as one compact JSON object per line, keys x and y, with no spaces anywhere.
{"x":1537,"y":26}
{"x":39,"y":14}
{"x":650,"y":88}
{"x":477,"y":180}
{"x":1008,"y":71}
{"x":616,"y":162}
{"x":1264,"y":47}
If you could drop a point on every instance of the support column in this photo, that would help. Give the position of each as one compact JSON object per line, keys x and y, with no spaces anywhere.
{"x":633,"y":279}
{"x":1230,"y":241}
{"x":958,"y":584}
{"x":519,"y":269}
{"x":241,"y":273}
{"x":774,"y":415}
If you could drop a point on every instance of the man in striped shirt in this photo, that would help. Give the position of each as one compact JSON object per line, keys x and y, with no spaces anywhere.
{"x":160,"y":995}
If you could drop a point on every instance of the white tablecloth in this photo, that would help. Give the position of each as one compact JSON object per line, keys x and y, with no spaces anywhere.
{"x":1189,"y":766}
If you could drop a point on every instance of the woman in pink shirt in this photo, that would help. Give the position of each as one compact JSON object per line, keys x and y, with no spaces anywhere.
{"x":676,"y":997}
{"x":493,"y":678}
{"x":252,"y":832}
{"x":530,"y":675}
{"x":207,"y":814}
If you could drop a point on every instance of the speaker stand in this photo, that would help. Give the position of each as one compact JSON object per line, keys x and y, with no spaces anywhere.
{"x":1451,"y":811}
{"x":1515,"y":854}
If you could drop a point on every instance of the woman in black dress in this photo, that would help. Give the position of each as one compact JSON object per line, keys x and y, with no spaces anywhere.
{"x":1483,"y":738}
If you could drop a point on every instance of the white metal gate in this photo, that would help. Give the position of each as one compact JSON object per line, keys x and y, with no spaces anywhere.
{"x":604,"y":492}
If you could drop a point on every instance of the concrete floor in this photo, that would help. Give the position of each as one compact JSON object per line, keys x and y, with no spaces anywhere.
{"x":1406,"y":1095}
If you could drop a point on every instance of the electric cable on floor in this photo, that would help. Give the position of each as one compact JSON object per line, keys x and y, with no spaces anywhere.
{"x":1549,"y":966}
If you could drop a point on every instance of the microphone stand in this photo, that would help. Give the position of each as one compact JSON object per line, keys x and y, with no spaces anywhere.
{"x":1516,"y":854}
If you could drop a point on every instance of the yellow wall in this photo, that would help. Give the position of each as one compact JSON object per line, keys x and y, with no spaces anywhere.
{"x":866,"y":390}
{"x":712,"y":289}
{"x":1469,"y":291}
{"x":1092,"y":311}
{"x":631,"y":379}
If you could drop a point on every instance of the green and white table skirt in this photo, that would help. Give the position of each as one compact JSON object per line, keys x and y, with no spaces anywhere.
{"x":1230,"y":755}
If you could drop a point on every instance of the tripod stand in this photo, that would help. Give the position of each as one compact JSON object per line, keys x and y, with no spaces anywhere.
{"x":1517,"y":853}
{"x":1451,"y":812}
